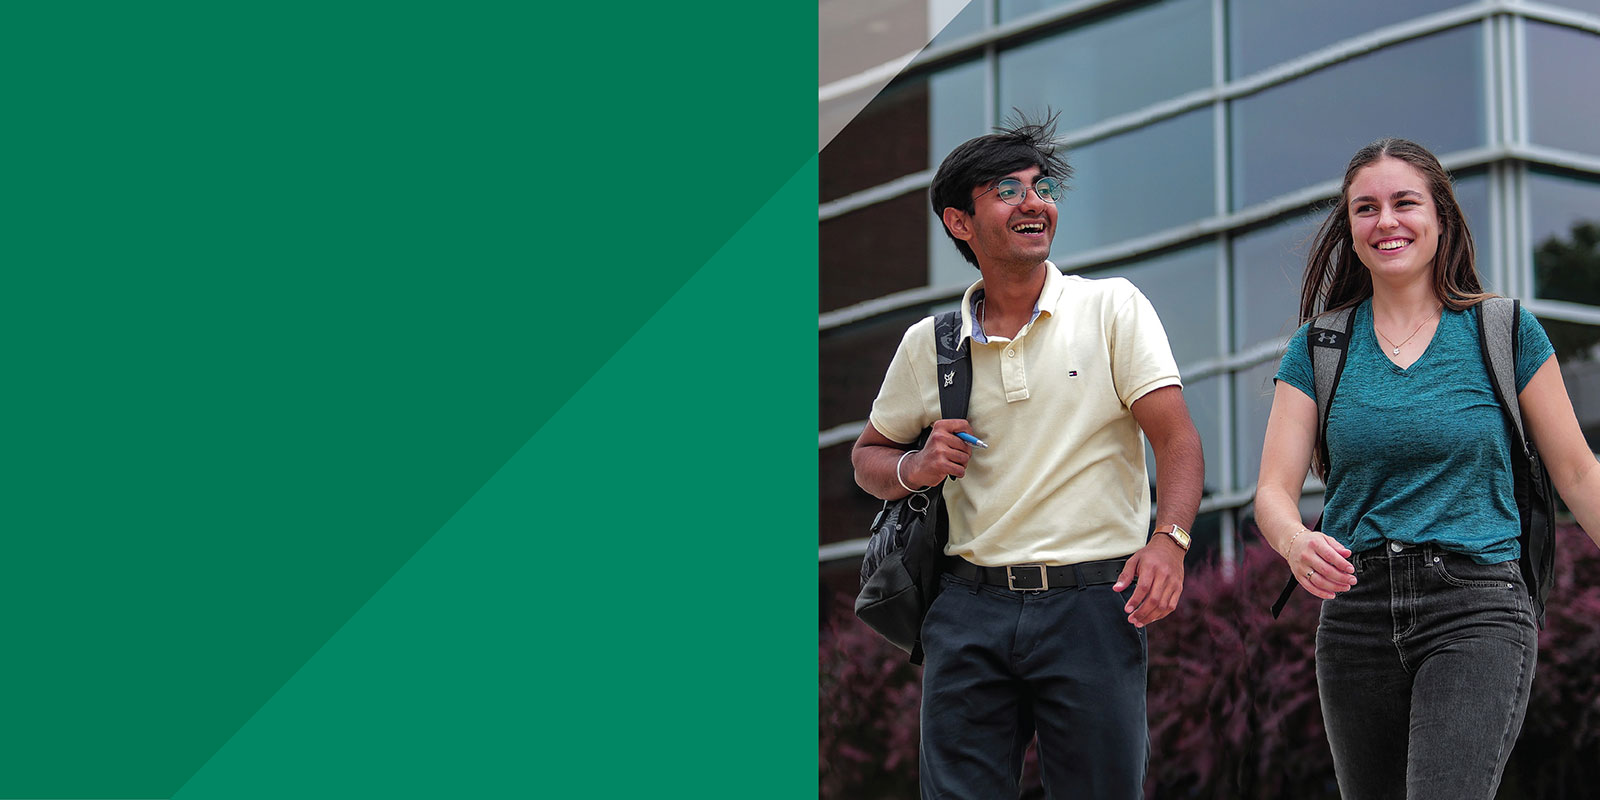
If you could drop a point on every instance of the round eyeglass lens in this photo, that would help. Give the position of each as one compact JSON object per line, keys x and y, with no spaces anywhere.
{"x":1010,"y":191}
{"x":1048,"y":189}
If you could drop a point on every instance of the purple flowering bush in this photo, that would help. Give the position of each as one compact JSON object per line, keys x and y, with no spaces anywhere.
{"x":867,"y":723}
{"x":1233,"y":701}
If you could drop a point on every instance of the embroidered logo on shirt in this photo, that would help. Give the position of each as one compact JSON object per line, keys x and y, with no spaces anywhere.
{"x":1072,"y":373}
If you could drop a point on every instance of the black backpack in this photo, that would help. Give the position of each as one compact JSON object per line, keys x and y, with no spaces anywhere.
{"x":905,"y":556}
{"x":1499,"y":319}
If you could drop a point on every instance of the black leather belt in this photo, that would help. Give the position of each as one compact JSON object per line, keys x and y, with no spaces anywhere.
{"x":1035,"y":577}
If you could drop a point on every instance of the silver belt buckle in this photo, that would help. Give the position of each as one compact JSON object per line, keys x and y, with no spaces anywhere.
{"x":1011,"y":577}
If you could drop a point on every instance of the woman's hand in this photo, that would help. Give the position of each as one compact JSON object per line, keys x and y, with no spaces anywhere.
{"x":1320,"y":563}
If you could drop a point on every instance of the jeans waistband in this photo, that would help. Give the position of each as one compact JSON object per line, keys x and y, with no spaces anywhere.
{"x":1394,"y":549}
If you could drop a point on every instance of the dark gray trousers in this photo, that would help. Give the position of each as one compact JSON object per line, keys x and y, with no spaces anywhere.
{"x":1002,"y":665}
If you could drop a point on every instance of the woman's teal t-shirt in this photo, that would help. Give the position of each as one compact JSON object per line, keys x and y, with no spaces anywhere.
{"x":1420,"y":455}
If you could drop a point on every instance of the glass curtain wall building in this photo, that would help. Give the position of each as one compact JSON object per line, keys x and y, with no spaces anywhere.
{"x":1208,"y":137}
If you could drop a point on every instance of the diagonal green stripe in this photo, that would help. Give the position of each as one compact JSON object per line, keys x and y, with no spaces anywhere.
{"x":523,"y":644}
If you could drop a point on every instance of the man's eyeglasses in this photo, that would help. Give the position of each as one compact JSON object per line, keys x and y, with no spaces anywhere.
{"x":1012,"y":192}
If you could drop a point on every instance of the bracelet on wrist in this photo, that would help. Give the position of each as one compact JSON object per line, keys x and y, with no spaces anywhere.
{"x":1288,"y":548}
{"x":903,"y":480}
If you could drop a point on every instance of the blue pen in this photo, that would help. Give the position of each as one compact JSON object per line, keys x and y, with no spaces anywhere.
{"x":970,"y":439}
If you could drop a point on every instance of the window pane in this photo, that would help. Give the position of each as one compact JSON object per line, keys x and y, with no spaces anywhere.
{"x":967,"y":21}
{"x":1252,"y":402}
{"x":955,"y":107}
{"x":1562,"y":64}
{"x":1578,"y":350}
{"x":1472,"y":192}
{"x":851,"y":361}
{"x":1262,"y":33}
{"x":888,"y":139}
{"x":874,"y":251}
{"x":1565,"y":227}
{"x":1304,"y":132}
{"x":1268,"y":264}
{"x":1139,"y":182}
{"x":1017,"y":9}
{"x":1111,"y":65}
{"x":1182,"y":286}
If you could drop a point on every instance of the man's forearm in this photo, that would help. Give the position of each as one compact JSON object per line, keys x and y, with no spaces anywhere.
{"x":875,"y":470}
{"x":1180,"y":479}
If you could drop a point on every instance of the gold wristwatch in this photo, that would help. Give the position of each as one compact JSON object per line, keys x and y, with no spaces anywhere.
{"x":1178,"y":535}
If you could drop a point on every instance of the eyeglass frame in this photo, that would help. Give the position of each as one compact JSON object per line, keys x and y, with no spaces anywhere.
{"x":1055,"y":183}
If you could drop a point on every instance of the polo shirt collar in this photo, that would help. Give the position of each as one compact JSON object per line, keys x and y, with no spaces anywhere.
{"x":1049,"y":298}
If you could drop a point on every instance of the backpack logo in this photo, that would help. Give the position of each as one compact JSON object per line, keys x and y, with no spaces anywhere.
{"x":949,"y":377}
{"x":1329,"y":338}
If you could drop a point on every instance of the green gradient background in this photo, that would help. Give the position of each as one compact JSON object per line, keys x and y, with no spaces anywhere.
{"x":407,"y":400}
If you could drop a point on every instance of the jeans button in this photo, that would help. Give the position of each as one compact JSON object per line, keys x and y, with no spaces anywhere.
{"x":1395,"y":546}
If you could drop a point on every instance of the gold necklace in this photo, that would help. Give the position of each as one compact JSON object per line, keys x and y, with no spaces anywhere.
{"x":1413,"y":335}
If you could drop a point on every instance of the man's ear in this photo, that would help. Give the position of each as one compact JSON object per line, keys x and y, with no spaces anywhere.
{"x":958,"y":222}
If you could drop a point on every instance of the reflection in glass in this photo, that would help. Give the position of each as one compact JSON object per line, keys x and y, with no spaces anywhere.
{"x":1112,"y":65}
{"x":1568,"y":268}
{"x":1252,"y":402}
{"x":1428,"y":90}
{"x":1182,"y":285}
{"x":1262,"y":33}
{"x":1562,"y":64}
{"x":1137,"y":183}
{"x":1565,"y":226}
{"x":1268,"y":265}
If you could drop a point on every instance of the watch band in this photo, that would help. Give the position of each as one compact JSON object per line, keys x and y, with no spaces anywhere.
{"x":1177,"y":533}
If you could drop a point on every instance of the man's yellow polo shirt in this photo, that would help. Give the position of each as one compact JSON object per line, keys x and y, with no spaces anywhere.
{"x":1063,"y":480}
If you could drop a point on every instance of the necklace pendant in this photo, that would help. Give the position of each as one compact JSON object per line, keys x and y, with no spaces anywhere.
{"x":1396,"y":351}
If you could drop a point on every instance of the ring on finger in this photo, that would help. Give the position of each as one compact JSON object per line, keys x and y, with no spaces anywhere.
{"x":1310,"y":572}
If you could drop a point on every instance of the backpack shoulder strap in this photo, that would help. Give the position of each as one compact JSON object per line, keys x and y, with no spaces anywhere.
{"x":1498,"y":319}
{"x":954,"y":365}
{"x":1328,"y":341}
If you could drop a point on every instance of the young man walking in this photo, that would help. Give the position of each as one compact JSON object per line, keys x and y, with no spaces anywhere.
{"x":1051,"y":580}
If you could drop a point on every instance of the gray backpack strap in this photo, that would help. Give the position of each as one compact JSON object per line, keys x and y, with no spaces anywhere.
{"x":1328,"y":341}
{"x":1498,"y":319}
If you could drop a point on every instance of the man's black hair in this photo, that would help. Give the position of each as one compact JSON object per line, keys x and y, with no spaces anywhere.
{"x":1016,"y":145}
